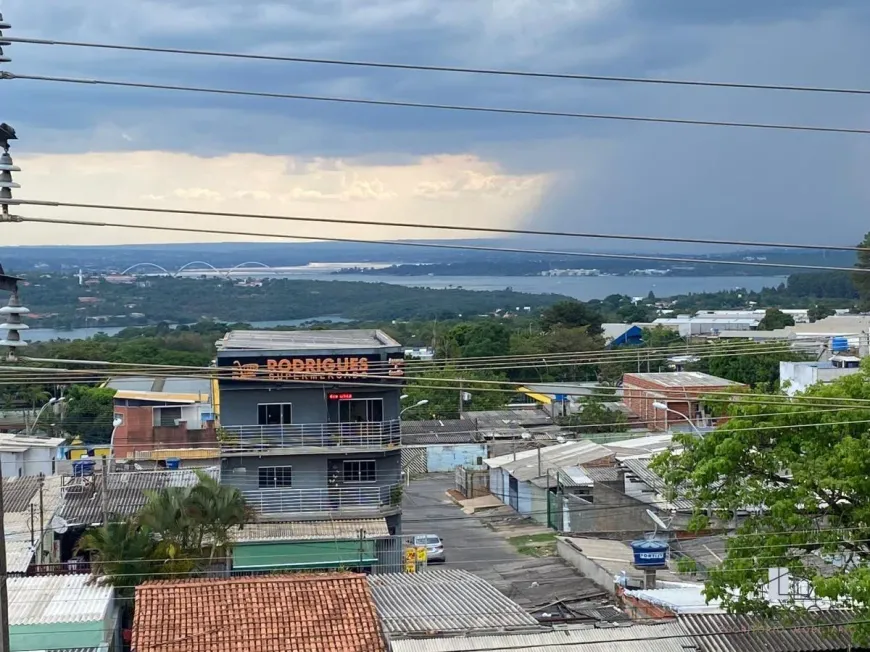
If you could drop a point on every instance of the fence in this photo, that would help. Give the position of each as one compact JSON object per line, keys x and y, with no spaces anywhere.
{"x":472,"y":482}
{"x":327,"y":499}
{"x":253,"y":438}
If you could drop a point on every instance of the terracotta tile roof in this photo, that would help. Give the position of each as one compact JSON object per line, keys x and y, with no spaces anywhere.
{"x":325,"y":612}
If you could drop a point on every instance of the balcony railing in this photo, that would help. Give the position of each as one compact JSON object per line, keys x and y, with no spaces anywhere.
{"x":368,"y":435}
{"x":328,"y":499}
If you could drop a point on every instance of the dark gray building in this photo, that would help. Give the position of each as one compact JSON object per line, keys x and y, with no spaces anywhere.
{"x":309,"y":423}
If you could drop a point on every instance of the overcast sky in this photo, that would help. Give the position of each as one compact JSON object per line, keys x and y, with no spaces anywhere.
{"x":170,"y":149}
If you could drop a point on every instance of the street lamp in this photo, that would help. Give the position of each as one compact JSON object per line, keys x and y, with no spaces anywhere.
{"x":663,"y":406}
{"x":417,"y":404}
{"x":51,"y":401}
{"x":116,"y":423}
{"x":403,"y":397}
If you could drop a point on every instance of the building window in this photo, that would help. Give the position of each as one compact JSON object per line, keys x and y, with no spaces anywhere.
{"x":360,"y":471}
{"x":274,"y":414}
{"x":271,"y":477}
{"x":167,"y":416}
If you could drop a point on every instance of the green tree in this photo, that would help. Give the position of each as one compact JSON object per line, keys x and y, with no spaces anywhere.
{"x":571,"y":314}
{"x":442,"y":390}
{"x":806,"y":464}
{"x":595,"y":417}
{"x":122,"y":554}
{"x":659,"y":337}
{"x":774,"y":319}
{"x":476,"y":339}
{"x":89,"y":413}
{"x":757,"y":366}
{"x":818,"y":312}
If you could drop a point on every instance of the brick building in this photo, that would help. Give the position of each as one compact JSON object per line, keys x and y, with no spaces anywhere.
{"x":161,"y":418}
{"x":681,"y":392}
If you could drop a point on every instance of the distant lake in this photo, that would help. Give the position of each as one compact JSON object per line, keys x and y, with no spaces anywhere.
{"x":579,"y":287}
{"x":46,"y":334}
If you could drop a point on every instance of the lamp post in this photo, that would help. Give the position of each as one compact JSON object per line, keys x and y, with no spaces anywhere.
{"x":116,"y":423}
{"x":51,"y":401}
{"x":663,"y":406}
{"x":417,"y":404}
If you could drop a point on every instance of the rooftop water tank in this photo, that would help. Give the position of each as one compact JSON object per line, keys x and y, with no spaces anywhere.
{"x":839,"y":344}
{"x":83,"y":468}
{"x":173,"y":463}
{"x":650,"y":553}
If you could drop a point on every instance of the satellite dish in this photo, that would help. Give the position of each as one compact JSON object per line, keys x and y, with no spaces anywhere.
{"x":59,"y":525}
{"x":659,"y":522}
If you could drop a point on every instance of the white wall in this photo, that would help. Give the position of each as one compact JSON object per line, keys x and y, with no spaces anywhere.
{"x":12,"y":464}
{"x":39,"y":460}
{"x":802,"y":375}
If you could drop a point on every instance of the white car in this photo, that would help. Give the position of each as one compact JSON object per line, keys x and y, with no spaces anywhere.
{"x":434,"y":546}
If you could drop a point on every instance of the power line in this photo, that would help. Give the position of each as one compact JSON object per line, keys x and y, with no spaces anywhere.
{"x":439,"y":107}
{"x":440,"y":68}
{"x":443,"y":227}
{"x":433,"y":245}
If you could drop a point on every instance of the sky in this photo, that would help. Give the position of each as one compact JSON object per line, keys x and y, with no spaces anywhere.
{"x":168,"y":149}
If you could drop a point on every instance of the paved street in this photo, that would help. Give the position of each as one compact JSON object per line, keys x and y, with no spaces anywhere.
{"x":470,"y":545}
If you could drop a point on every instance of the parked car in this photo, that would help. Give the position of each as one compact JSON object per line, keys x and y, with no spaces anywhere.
{"x":434,"y":546}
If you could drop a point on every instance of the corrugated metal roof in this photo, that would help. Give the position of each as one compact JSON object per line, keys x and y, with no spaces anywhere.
{"x":17,"y":524}
{"x":601,"y":473}
{"x":682,"y":379}
{"x":127,"y":493}
{"x":639,"y":468}
{"x":41,"y":600}
{"x":446,"y":431}
{"x":30,"y":442}
{"x":17,"y":492}
{"x":178,"y":385}
{"x":819,"y":631}
{"x":575,"y":476}
{"x":553,"y":457}
{"x":443,"y":601}
{"x":312,"y":530}
{"x":621,"y":638}
{"x":305,"y":340}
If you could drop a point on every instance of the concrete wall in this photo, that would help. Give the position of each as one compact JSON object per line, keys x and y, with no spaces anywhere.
{"x":598,"y":574}
{"x":538,"y":499}
{"x":238,"y":406}
{"x":444,"y":458}
{"x":525,"y":505}
{"x":33,"y":461}
{"x":609,"y":510}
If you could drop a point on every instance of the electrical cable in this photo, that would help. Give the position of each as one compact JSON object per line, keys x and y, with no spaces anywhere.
{"x":442,"y":227}
{"x":437,"y":107}
{"x":439,"y":68}
{"x":452,"y":247}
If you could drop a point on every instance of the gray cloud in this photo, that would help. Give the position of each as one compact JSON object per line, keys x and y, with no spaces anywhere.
{"x":613,"y":176}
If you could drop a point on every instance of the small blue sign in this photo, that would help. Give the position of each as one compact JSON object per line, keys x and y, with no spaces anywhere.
{"x":561,"y":398}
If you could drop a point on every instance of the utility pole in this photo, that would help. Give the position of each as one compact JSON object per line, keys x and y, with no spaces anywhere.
{"x":104,"y":494}
{"x":9,"y":284}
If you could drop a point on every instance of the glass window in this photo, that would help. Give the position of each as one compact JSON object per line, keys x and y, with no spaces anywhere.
{"x":274,"y":414}
{"x":275,"y":476}
{"x":360,"y":471}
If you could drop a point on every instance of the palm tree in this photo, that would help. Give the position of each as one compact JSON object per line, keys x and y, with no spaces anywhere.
{"x":122,"y":554}
{"x":219,"y":509}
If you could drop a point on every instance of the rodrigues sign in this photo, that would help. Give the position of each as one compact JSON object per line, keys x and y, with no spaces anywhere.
{"x":317,"y":368}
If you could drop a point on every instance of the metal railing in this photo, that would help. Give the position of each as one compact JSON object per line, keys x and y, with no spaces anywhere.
{"x":327,"y":499}
{"x":371,"y":435}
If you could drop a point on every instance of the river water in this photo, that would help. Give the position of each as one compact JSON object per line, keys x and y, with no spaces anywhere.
{"x":578,"y":287}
